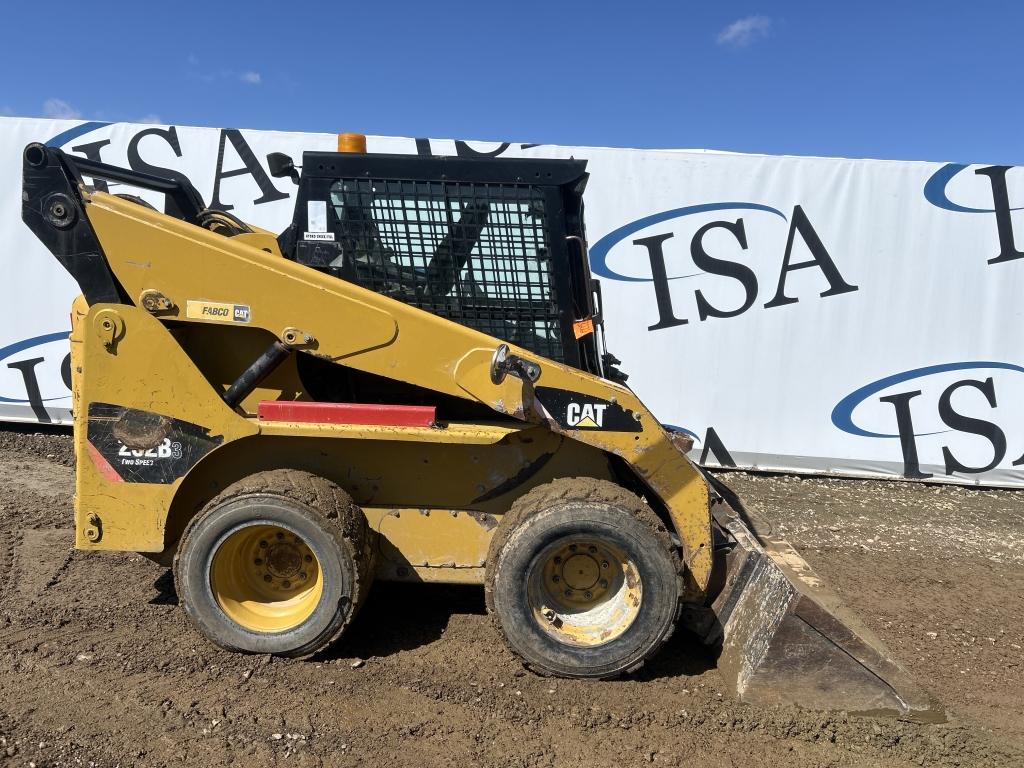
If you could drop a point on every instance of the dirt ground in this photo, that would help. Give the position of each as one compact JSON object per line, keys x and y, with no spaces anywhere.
{"x":99,"y":667}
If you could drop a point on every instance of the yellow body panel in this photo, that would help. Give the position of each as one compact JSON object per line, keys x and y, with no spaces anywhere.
{"x":140,"y":366}
{"x":424,"y":543}
{"x":177,"y":366}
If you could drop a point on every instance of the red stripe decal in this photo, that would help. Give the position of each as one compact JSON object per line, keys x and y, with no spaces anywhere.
{"x":348,"y":413}
{"x":102,"y":465}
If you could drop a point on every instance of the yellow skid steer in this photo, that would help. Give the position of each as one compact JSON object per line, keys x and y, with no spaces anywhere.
{"x":410,"y":383}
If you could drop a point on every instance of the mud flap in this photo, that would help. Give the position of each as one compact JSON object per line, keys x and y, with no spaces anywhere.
{"x":784,"y":637}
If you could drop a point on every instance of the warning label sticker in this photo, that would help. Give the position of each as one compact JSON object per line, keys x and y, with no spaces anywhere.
{"x":582,"y":328}
{"x":316,"y":215}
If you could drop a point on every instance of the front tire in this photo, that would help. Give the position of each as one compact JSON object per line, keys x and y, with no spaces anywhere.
{"x":583,"y":580}
{"x":280,"y":563}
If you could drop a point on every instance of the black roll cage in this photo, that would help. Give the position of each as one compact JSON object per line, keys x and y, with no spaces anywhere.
{"x":560,"y":183}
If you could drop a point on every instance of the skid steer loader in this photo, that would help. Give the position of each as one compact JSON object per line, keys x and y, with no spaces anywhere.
{"x":410,"y":383}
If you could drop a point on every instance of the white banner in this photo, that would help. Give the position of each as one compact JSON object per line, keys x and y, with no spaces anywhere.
{"x":810,"y":314}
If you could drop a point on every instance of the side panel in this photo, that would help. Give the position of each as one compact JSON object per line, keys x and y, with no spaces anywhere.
{"x":143,"y":416}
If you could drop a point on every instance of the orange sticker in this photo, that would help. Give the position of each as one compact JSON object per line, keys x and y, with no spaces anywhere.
{"x":583,"y":327}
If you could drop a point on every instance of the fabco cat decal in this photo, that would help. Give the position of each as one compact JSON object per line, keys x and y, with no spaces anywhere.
{"x":218,"y":311}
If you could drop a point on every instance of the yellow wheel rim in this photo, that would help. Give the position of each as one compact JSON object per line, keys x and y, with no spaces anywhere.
{"x":584,"y":592}
{"x":266,"y":578}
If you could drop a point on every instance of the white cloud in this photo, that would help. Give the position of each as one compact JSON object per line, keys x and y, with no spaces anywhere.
{"x":151,"y":118}
{"x":743,"y":32}
{"x":60,"y":110}
{"x":208,"y":74}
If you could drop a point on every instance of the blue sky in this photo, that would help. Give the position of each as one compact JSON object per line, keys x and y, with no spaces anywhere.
{"x":904,"y":80}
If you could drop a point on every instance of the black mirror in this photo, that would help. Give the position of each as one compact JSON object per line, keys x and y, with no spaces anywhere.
{"x":281,"y":165}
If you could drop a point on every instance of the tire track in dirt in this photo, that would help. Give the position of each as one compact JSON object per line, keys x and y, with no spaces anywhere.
{"x":9,"y":543}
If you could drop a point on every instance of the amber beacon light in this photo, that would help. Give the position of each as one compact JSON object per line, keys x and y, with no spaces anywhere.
{"x":354,"y":143}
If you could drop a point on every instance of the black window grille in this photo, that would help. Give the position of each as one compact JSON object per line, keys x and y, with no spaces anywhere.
{"x":475,"y":253}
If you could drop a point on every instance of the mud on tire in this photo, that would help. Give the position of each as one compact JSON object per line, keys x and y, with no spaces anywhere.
{"x":280,"y":562}
{"x":551,"y":584}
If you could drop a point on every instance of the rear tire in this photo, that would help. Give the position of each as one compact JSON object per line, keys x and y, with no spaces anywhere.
{"x":280,"y":563}
{"x":583,"y":580}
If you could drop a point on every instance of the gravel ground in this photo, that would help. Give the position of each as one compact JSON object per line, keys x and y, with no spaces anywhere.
{"x":98,"y":666}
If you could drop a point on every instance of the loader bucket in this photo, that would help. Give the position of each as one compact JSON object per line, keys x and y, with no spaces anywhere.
{"x":785,"y":638}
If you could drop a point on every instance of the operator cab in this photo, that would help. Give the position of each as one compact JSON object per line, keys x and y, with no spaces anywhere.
{"x":494,"y":244}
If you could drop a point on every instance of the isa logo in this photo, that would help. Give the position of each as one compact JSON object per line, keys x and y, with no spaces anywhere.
{"x":30,"y":370}
{"x":986,"y":191}
{"x":731,"y":255}
{"x":962,"y":417}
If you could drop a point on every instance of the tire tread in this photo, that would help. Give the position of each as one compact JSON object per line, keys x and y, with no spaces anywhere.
{"x":316,"y":493}
{"x":585,"y":489}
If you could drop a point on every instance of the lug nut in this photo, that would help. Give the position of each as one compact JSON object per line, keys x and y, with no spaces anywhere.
{"x":280,"y":535}
{"x":572,"y":547}
{"x":604,"y":583}
{"x":556,"y":578}
{"x":286,"y":583}
{"x":568,"y":593}
{"x":604,"y":563}
{"x":588,"y":595}
{"x":263,"y":544}
{"x":258,"y":561}
{"x":267,"y":578}
{"x":593,"y":550}
{"x":558,"y":560}
{"x":303,"y":576}
{"x":308,"y":558}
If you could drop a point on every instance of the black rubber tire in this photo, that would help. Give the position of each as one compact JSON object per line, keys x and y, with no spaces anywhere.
{"x":583,"y":506}
{"x":310,"y":506}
